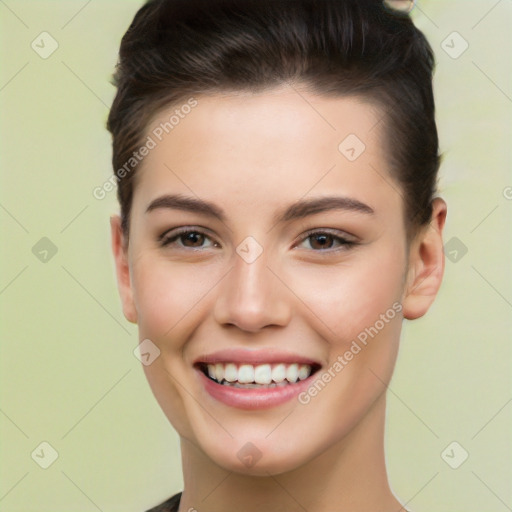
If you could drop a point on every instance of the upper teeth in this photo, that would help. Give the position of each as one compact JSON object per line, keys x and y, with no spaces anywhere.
{"x":260,"y":374}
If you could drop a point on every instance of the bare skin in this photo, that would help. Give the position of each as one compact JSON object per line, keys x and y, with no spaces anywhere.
{"x":253,"y":155}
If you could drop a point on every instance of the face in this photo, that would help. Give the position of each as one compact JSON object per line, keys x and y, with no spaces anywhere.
{"x":266,"y":281}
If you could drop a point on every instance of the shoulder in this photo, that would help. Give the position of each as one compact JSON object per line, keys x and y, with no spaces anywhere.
{"x":170,"y":505}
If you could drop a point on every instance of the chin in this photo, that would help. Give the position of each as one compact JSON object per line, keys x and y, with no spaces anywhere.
{"x":258,"y":455}
{"x":270,"y":464}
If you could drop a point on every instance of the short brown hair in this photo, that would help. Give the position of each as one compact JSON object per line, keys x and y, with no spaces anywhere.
{"x":177,"y":48}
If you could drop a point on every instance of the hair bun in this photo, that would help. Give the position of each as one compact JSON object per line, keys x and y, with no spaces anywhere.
{"x":402,"y":6}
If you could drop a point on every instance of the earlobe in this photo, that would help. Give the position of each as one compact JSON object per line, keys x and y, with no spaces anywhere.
{"x":124,"y":285}
{"x":426,"y":265}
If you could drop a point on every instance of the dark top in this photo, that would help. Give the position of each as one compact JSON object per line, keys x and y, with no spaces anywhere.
{"x":171,"y":505}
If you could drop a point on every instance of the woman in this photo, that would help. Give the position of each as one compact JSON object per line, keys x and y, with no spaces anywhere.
{"x":276,"y":164}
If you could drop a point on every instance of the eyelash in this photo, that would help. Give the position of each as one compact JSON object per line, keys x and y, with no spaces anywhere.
{"x":345,"y":244}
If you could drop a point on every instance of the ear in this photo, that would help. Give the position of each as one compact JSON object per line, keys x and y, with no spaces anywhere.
{"x":124,"y":285}
{"x":426,"y":265}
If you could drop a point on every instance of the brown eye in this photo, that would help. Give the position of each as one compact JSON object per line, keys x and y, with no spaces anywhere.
{"x":188,"y":238}
{"x":193,"y":237}
{"x":322,"y":241}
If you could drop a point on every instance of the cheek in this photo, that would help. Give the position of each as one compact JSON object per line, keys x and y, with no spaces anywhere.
{"x":359,"y":303}
{"x":170,"y":298}
{"x":168,"y":294}
{"x":348,"y":298}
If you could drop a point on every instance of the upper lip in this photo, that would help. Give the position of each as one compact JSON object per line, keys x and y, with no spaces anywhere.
{"x":254,"y":357}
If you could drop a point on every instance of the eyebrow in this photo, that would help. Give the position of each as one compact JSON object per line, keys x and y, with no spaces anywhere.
{"x":298,"y":210}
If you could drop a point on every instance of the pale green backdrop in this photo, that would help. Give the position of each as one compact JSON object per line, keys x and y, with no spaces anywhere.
{"x":68,"y":373}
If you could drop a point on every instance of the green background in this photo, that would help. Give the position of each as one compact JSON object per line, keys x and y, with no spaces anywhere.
{"x":68,"y":373}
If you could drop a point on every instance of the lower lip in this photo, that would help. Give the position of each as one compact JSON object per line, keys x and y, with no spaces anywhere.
{"x":262,"y":398}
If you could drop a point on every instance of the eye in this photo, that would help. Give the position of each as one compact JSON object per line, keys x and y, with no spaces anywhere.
{"x":323,"y":241}
{"x":189,"y":238}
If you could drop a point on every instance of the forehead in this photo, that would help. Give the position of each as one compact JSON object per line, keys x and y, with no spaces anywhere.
{"x":255,"y":147}
{"x":284,"y":115}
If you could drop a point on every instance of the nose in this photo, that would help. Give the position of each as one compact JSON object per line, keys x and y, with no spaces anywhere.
{"x":252,"y":296}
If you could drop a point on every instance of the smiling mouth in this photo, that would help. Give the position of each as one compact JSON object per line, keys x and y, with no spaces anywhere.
{"x":249,"y":376}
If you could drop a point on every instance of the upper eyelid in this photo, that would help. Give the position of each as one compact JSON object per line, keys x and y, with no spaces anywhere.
{"x":199,"y":229}
{"x":185,"y":229}
{"x":339,"y":233}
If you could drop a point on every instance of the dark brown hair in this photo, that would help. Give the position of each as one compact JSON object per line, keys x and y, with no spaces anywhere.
{"x":175,"y":49}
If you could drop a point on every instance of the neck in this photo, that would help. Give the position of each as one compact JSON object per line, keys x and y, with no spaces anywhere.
{"x":350,"y":474}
